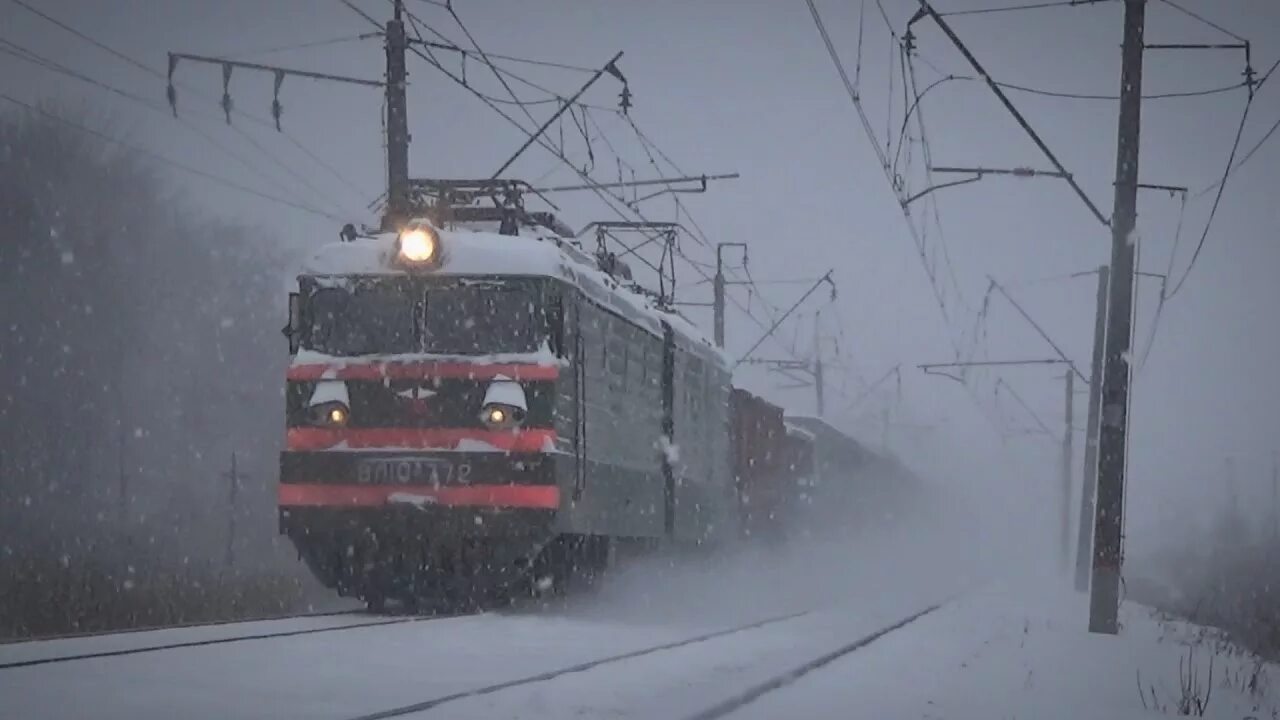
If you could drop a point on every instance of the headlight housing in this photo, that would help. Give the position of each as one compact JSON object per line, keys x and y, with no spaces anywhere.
{"x":505,"y":404}
{"x":418,"y":246}
{"x":330,"y":414}
{"x":501,"y":416}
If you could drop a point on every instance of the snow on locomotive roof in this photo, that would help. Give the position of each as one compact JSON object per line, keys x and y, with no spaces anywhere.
{"x":464,"y":252}
{"x":535,"y":252}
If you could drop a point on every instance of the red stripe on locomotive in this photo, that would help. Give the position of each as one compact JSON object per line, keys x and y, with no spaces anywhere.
{"x":395,"y":369}
{"x":520,"y":440}
{"x":541,"y":497}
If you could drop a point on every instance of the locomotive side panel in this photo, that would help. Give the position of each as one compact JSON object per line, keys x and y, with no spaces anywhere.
{"x":613,"y":483}
{"x":698,"y":450}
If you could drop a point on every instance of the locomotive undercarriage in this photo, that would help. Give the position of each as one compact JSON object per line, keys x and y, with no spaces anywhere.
{"x":442,"y":559}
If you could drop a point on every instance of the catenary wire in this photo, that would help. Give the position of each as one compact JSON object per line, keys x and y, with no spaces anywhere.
{"x":170,"y":161}
{"x":27,"y":55}
{"x":1027,"y":6}
{"x":134,"y":62}
{"x":1213,"y":211}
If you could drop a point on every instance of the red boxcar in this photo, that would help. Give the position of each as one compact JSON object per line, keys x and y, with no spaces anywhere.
{"x":798,"y":460}
{"x":758,"y":440}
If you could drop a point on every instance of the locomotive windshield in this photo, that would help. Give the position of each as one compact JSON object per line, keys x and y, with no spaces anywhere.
{"x":366,"y":321}
{"x":465,"y":317}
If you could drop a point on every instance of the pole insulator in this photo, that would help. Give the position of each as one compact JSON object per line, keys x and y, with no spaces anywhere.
{"x":226,"y":92}
{"x":276,"y":108}
{"x":171,"y":92}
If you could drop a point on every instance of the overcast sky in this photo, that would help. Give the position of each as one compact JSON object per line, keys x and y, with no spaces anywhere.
{"x":748,"y":87}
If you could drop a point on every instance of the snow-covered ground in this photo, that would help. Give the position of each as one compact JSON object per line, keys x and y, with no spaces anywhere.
{"x":1019,"y":652}
{"x":1002,"y":645}
{"x":999,"y":651}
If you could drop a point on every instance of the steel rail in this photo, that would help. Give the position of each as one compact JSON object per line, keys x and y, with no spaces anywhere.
{"x":580,"y":667}
{"x":212,"y":641}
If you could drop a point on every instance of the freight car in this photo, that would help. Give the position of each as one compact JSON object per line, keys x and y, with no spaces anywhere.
{"x":798,"y":449}
{"x":469,"y":411}
{"x":758,"y":442}
{"x":849,"y":482}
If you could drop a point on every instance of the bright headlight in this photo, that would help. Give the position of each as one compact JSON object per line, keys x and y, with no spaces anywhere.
{"x":504,"y":404}
{"x":331,"y":414}
{"x":500,"y":416}
{"x":418,"y":245}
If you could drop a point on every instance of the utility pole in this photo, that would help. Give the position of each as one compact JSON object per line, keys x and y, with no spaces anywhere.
{"x":719,"y":284}
{"x":1275,"y":500}
{"x":233,"y":480}
{"x":1104,"y":601}
{"x":397,"y":122}
{"x":1233,"y":495}
{"x":1084,"y":538}
{"x":123,"y":478}
{"x":817,"y":371}
{"x":1068,"y":434}
{"x":718,"y":301}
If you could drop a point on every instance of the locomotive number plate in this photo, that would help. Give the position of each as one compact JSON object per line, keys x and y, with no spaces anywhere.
{"x":412,"y":471}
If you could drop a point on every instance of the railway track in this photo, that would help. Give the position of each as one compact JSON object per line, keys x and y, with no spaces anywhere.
{"x":784,"y":679}
{"x":578,"y":668}
{"x":210,"y":641}
{"x":714,"y":712}
{"x":385,"y":619}
{"x":773,"y":661}
{"x":176,"y":626}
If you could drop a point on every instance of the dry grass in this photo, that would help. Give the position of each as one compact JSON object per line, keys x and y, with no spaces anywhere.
{"x":41,"y":598}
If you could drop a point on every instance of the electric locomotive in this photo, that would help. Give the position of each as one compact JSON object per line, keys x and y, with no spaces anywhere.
{"x":476,"y":404}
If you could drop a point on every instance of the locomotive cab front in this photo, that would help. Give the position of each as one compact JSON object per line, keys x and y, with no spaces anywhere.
{"x":421,"y":441}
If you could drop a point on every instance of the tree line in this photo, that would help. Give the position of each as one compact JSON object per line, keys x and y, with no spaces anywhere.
{"x":141,"y":349}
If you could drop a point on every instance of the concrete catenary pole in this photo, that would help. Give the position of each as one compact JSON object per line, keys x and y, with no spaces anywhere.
{"x":397,"y":123}
{"x":1068,"y":436}
{"x":1275,"y":500}
{"x":1084,"y":538}
{"x":1104,"y":604}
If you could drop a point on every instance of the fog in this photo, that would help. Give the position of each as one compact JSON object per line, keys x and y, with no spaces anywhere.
{"x":940,"y":546}
{"x":746,"y":89}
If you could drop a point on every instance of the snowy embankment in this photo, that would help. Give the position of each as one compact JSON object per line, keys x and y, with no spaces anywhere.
{"x":1005,"y":653}
{"x":998,"y":647}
